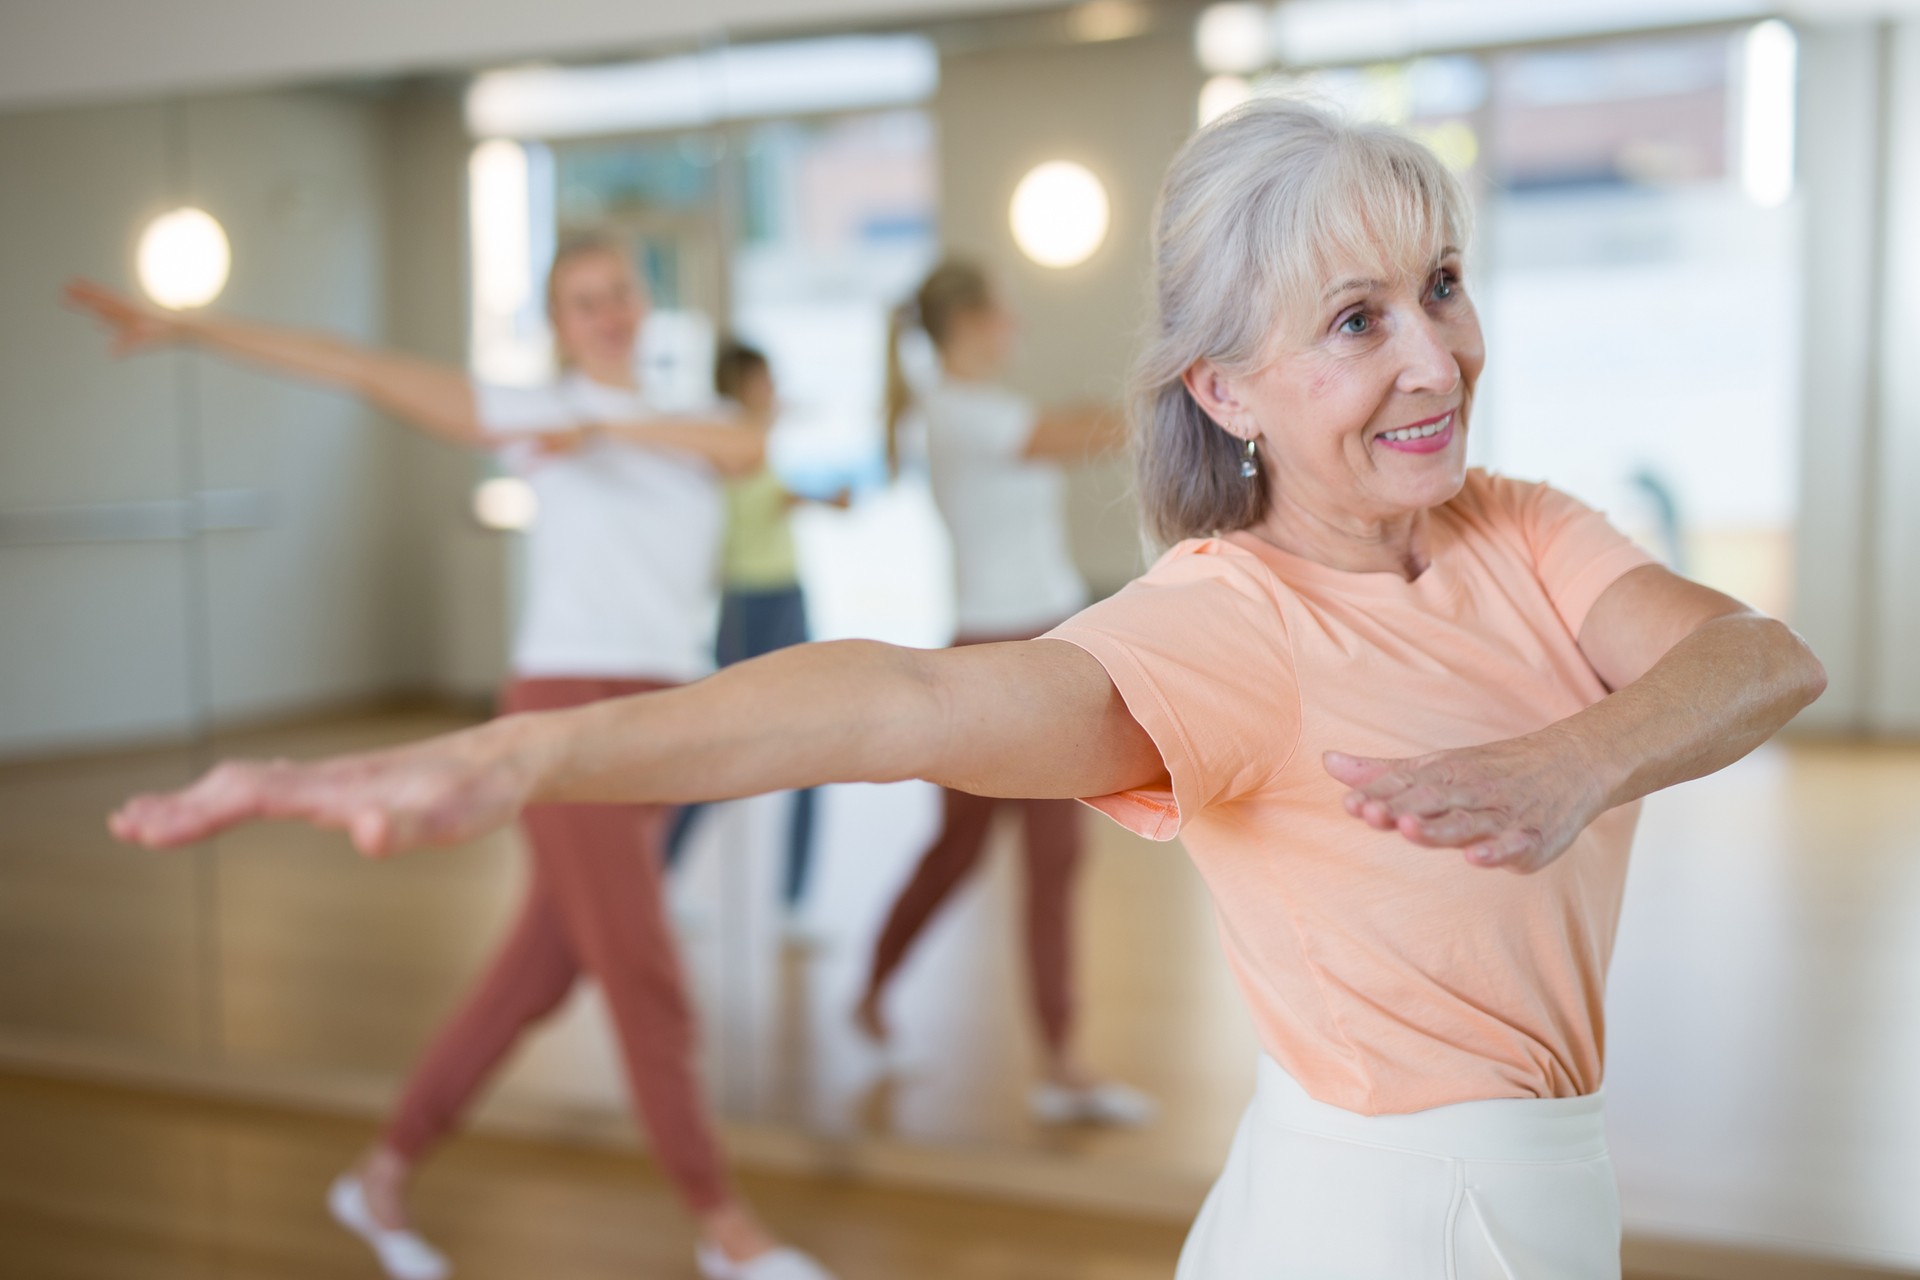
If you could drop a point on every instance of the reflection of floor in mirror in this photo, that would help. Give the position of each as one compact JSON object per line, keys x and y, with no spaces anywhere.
{"x":1763,"y":1047}
{"x":99,"y":1184}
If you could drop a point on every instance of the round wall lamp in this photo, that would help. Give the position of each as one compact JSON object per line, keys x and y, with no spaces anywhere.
{"x":1059,"y":214}
{"x":184,"y":259}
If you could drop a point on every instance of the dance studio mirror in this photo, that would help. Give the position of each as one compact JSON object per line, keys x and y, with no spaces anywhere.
{"x":231,"y":539}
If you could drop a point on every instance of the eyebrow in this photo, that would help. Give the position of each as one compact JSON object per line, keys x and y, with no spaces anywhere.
{"x":1368,"y":282}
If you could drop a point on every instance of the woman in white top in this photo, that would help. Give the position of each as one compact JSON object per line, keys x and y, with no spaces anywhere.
{"x":995,"y":461}
{"x":622,"y":564}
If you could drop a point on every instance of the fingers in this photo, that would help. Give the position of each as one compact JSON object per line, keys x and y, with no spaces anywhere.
{"x":372,"y":833}
{"x":1516,"y":849}
{"x":1354,"y":771}
{"x":1452,"y":829}
{"x":227,"y":795}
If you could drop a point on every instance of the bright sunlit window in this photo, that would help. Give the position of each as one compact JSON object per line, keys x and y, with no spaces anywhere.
{"x":1059,"y":214}
{"x":184,"y":259}
{"x":837,"y":73}
{"x":509,"y":239}
{"x":1767,"y":110}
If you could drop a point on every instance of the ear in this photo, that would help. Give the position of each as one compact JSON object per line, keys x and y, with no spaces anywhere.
{"x":1213,"y":390}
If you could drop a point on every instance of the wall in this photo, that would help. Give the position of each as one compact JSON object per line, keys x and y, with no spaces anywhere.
{"x":93,"y":636}
{"x":1858,"y":579}
{"x":1121,"y":109}
{"x":1837,"y":104}
{"x":104,"y":639}
{"x":1894,"y":655}
{"x":454,"y":606}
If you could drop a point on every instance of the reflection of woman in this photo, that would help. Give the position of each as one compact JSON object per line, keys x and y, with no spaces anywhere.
{"x":762,"y":605}
{"x":620,"y":566}
{"x":994,"y":460}
{"x":1365,"y":681}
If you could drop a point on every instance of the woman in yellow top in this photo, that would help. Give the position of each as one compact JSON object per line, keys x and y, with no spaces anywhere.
{"x":1365,"y":685}
{"x":762,"y":605}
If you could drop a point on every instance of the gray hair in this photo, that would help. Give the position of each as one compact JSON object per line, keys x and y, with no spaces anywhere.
{"x":1255,"y":211}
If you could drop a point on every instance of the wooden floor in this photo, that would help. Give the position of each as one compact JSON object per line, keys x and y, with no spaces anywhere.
{"x":1764,"y":1040}
{"x":102,"y":1184}
{"x":111,"y":1184}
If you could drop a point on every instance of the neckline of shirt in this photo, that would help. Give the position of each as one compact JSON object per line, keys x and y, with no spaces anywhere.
{"x":1295,"y":569}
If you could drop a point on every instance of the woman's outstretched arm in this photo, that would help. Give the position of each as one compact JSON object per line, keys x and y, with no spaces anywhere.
{"x":733,"y":444}
{"x":1036,"y":718}
{"x":436,"y":398}
{"x":1698,"y":681}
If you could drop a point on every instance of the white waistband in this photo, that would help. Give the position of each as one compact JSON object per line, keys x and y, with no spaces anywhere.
{"x":1530,"y":1129}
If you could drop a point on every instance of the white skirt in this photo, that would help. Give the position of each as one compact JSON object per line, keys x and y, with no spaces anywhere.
{"x":1506,"y":1189}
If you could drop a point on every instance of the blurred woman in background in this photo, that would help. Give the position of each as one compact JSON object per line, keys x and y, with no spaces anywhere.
{"x":620,"y":571}
{"x":996,"y":464}
{"x":762,"y":605}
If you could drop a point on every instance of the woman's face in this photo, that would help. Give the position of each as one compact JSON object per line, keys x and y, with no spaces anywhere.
{"x":756,"y":394}
{"x":1362,"y":413}
{"x":598,"y":308}
{"x":987,"y":333}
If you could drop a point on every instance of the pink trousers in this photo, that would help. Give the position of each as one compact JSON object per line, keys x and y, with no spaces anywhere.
{"x":1053,"y":855}
{"x":595,"y":905}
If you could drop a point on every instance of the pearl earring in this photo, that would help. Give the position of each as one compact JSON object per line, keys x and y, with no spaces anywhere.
{"x":1248,"y":467}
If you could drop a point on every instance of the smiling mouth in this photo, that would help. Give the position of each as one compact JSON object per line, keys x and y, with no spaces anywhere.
{"x":1420,"y":430}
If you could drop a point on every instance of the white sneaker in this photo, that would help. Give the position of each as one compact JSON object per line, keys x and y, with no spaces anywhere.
{"x":775,"y":1264}
{"x":1104,"y":1104}
{"x":402,"y":1254}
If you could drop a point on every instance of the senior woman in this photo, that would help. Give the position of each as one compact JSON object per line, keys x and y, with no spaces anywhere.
{"x":1364,"y":685}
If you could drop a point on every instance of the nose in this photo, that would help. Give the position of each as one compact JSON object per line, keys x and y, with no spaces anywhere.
{"x":1428,"y":364}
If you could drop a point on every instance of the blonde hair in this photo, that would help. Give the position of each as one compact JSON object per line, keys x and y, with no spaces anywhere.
{"x":957,"y":285}
{"x":1253,"y":214}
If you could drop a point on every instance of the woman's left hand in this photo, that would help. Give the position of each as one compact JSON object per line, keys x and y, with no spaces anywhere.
{"x":1515,"y":804}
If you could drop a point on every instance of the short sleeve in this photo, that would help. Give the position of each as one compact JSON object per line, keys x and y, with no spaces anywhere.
{"x":1198,"y":650}
{"x":1576,"y":553}
{"x":977,"y":424}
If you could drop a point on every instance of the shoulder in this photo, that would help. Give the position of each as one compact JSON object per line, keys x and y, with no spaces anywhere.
{"x":1511,"y":510}
{"x":976,"y":419}
{"x":1494,"y":496}
{"x":1210,"y":565}
{"x":1491,"y":497}
{"x":964,"y":401}
{"x":1204,"y":594}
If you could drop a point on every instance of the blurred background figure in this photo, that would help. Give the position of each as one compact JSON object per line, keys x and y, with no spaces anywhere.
{"x":1695,"y":256}
{"x":995,"y":460}
{"x":620,"y":573}
{"x":762,"y":604}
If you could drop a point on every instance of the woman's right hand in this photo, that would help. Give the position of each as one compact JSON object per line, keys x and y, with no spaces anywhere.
{"x":136,"y":326}
{"x":441,"y":791}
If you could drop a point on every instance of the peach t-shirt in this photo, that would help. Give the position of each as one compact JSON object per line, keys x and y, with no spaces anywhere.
{"x":1386,"y":978}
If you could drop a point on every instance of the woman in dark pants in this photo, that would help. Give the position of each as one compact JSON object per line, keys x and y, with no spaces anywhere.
{"x":762,"y":606}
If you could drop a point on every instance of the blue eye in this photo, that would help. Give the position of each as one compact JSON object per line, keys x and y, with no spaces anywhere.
{"x":1357,"y":318}
{"x":1446,"y":286}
